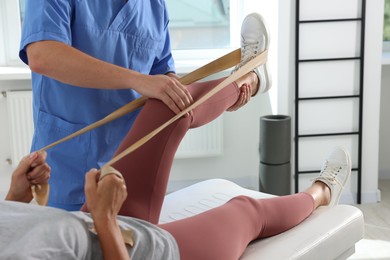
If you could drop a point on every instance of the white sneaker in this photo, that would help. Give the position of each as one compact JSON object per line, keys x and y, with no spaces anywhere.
{"x":255,"y":40}
{"x":335,"y":172}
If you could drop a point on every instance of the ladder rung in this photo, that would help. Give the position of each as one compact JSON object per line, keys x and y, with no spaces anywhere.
{"x":331,"y":20}
{"x":328,"y":97}
{"x":317,"y":171}
{"x":330,"y":59}
{"x":327,"y":134}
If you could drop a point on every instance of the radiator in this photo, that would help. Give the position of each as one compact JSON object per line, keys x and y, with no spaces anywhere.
{"x":21,"y":128}
{"x":205,"y":141}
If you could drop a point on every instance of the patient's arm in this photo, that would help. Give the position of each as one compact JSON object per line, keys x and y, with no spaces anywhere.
{"x":104,"y":199}
{"x":32,"y":170}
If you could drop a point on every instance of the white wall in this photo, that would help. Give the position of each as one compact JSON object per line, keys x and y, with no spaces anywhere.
{"x":372,"y":83}
{"x":384,"y":145}
{"x":372,"y":78}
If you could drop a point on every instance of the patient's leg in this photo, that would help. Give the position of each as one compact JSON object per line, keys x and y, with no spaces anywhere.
{"x":146,"y":170}
{"x":224,"y":232}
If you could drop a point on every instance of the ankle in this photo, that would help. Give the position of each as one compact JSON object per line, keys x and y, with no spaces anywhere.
{"x":320,"y":193}
{"x":326,"y":196}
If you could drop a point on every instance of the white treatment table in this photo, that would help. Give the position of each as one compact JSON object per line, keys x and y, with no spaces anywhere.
{"x":329,"y":233}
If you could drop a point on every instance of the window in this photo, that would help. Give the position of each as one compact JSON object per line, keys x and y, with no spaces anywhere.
{"x":386,"y":27}
{"x":194,"y":25}
{"x":201,"y":24}
{"x":10,"y":29}
{"x":21,"y":8}
{"x":203,"y":29}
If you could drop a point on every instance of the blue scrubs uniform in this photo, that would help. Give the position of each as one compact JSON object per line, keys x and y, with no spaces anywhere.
{"x":130,"y":34}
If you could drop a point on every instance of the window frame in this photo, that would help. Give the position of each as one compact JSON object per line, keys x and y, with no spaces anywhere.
{"x":386,"y":44}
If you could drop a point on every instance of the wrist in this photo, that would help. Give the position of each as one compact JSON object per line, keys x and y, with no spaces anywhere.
{"x":25,"y":197}
{"x":136,"y":80}
{"x":131,"y":79}
{"x":106,"y":224}
{"x":104,"y":218}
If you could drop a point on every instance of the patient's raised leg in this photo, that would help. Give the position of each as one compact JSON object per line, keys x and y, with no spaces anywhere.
{"x":147,"y":169}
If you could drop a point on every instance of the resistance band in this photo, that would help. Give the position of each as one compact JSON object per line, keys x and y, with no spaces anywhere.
{"x":40,"y":192}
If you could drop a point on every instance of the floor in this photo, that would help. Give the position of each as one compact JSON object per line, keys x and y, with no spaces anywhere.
{"x":376,"y":241}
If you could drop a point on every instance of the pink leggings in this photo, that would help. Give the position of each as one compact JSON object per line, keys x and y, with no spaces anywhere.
{"x":222,"y":232}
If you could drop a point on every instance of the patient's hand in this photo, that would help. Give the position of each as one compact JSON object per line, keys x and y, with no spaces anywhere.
{"x":31,"y":170}
{"x":104,"y":198}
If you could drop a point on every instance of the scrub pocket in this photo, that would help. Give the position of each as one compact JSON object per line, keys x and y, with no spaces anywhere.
{"x":68,"y":160}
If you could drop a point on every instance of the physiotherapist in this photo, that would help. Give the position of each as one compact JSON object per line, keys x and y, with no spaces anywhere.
{"x":89,"y":58}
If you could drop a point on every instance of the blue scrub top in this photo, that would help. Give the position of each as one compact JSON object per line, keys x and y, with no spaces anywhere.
{"x":130,"y":34}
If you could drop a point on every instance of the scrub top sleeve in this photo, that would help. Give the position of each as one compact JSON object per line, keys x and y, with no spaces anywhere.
{"x":164,"y":62}
{"x":46,"y":20}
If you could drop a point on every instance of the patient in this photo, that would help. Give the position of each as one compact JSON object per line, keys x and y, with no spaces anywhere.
{"x":132,"y":200}
{"x":29,"y":231}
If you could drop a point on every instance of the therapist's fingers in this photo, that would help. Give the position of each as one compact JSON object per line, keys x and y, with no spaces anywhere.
{"x":167,"y":89}
{"x":183,"y":93}
{"x":243,"y":98}
{"x":175,"y":95}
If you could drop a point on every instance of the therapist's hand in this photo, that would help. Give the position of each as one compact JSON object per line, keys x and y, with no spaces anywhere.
{"x":31,"y":170}
{"x":168,"y":89}
{"x":243,"y":98}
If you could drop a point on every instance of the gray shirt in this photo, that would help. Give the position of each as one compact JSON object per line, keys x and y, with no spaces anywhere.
{"x":34,"y":232}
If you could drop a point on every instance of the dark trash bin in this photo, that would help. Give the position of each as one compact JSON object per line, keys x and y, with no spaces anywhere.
{"x":275,"y":154}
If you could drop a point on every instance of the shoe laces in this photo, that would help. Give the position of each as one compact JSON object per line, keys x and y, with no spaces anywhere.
{"x":330,"y":171}
{"x":249,"y":50}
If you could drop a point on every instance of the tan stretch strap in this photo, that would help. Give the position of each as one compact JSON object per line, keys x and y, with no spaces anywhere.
{"x":109,"y":171}
{"x":223,"y":63}
{"x":127,"y":234}
{"x":41,"y":193}
{"x":249,"y":66}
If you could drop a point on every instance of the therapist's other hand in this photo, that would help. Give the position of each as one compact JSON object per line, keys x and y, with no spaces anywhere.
{"x":104,"y":197}
{"x":243,"y":98}
{"x":168,"y":89}
{"x":31,"y":170}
